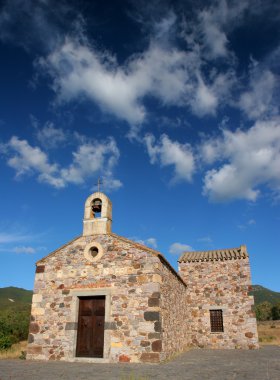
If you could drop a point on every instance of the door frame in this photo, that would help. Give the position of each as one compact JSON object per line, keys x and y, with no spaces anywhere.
{"x":76,"y":293}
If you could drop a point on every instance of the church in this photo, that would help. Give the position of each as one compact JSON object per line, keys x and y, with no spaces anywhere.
{"x":103,"y":298}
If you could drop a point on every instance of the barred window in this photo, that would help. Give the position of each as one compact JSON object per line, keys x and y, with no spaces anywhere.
{"x":216,"y":321}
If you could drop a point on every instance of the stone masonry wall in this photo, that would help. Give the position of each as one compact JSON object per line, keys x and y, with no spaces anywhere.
{"x":127,"y":274}
{"x":174,"y":313}
{"x":220,"y":285}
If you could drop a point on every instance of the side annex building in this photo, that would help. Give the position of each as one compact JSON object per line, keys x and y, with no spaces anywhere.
{"x":104,"y":298}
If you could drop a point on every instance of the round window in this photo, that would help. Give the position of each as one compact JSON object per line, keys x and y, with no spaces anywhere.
{"x":93,"y":252}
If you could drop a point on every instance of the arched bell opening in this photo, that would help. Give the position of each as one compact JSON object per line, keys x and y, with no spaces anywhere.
{"x":96,"y":208}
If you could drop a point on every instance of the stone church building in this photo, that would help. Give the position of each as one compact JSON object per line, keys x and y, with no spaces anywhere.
{"x":104,"y":298}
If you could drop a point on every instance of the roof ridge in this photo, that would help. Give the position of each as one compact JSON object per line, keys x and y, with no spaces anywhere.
{"x":213,"y":250}
{"x":215,"y":254}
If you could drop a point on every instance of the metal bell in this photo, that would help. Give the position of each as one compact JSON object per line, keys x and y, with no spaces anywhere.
{"x":96,"y":205}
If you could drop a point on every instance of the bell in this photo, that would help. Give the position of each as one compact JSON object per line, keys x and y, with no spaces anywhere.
{"x":96,"y":206}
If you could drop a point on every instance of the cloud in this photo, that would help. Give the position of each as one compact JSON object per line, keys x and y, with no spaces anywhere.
{"x":250,"y":158}
{"x":26,"y":160}
{"x":214,"y":23}
{"x":259,"y":100}
{"x":205,"y":239}
{"x":150,"y":242}
{"x":24,"y":249}
{"x":93,"y":158}
{"x":11,"y":237}
{"x":172,"y":153}
{"x":248,"y":223}
{"x":170,"y":69}
{"x":90,"y":159}
{"x":179,"y":248}
{"x":78,"y":70}
{"x":34,"y":25}
{"x":49,"y":136}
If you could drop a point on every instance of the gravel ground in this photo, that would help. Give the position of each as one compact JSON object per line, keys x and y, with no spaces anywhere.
{"x":263,"y":364}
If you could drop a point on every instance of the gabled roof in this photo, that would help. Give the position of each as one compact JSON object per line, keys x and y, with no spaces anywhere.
{"x":214,"y":255}
{"x":131,"y":242}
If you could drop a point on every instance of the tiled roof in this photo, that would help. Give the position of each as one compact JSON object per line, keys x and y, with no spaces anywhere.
{"x":215,"y":255}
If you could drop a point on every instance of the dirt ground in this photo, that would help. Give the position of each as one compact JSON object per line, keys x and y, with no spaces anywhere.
{"x":269,"y":332}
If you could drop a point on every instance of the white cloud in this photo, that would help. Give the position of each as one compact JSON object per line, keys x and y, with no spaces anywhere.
{"x":24,"y":249}
{"x":93,"y":158}
{"x":250,"y":159}
{"x":168,"y":73}
{"x":48,"y":135}
{"x":248,"y":223}
{"x":172,"y":153}
{"x":11,"y":237}
{"x":204,"y":102}
{"x":205,"y":239}
{"x":258,"y":101}
{"x":26,"y":159}
{"x":150,"y":242}
{"x":79,"y":70}
{"x":90,"y":159}
{"x":214,"y":23}
{"x":179,"y":248}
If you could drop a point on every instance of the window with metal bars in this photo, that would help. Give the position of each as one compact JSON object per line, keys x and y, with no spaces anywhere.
{"x":216,"y":321}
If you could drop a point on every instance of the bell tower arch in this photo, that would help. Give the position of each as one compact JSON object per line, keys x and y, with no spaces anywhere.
{"x":98,"y":215}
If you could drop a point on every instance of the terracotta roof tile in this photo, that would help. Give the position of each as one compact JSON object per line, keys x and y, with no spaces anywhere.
{"x":215,"y":255}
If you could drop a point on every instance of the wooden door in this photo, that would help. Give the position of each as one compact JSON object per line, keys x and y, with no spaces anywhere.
{"x":90,"y":336}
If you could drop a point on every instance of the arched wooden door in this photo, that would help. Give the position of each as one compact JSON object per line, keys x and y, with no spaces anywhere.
{"x":90,"y":335}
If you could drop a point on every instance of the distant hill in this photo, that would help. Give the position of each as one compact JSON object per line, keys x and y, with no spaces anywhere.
{"x":262,"y":294}
{"x":13,"y":297}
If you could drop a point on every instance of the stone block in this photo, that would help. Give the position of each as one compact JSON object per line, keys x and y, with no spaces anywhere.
{"x":145,"y":343}
{"x":34,"y":350}
{"x":37,"y":298}
{"x":157,"y":327}
{"x":116,"y":344}
{"x":34,"y":328}
{"x":110,"y":326}
{"x":38,"y":311}
{"x":157,"y":346}
{"x":149,"y":357}
{"x":124,"y":359}
{"x":71,"y":326}
{"x":154,"y":335}
{"x":153,"y":302}
{"x":151,"y":315}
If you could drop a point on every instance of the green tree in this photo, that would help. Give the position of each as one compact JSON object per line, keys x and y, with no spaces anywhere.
{"x":13,"y":326}
{"x":275,"y":311}
{"x":263,"y":311}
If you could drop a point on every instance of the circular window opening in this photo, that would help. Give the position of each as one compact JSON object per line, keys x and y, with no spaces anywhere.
{"x":93,"y":252}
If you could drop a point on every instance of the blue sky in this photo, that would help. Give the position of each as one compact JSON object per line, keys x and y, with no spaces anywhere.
{"x":175,"y":104}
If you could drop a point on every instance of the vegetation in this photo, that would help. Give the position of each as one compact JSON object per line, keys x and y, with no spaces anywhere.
{"x":265,"y":311}
{"x":267,"y":303}
{"x":15,"y":304}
